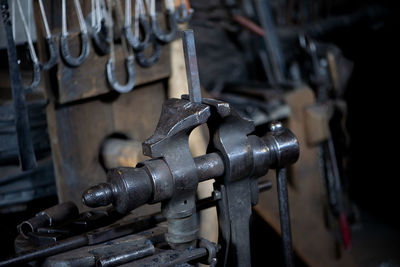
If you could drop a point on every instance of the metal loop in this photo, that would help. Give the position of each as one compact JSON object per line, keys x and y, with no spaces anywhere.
{"x":184,"y":13}
{"x":85,"y":45}
{"x":99,"y":28}
{"x":50,"y":40}
{"x":147,"y":62}
{"x":140,"y":21}
{"x":51,"y":45}
{"x":130,"y":68}
{"x":35,"y":61}
{"x":172,"y":24}
{"x":129,"y":61}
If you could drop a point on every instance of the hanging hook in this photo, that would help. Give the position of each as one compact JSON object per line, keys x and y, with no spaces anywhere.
{"x":34,"y":58}
{"x":147,"y":62}
{"x":184,"y":13}
{"x":85,"y":46}
{"x":129,"y":60}
{"x":140,"y":22}
{"x":50,"y":40}
{"x":171,"y":22}
{"x":99,"y":28}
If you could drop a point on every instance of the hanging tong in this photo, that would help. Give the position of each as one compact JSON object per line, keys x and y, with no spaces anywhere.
{"x":35,"y":61}
{"x":148,"y":61}
{"x":99,"y":28}
{"x":129,"y":59}
{"x":50,"y":40}
{"x":184,"y":12}
{"x":161,"y":36}
{"x":140,"y":23}
{"x":85,"y":46}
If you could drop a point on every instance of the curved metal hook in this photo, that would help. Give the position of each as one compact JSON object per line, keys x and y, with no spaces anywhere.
{"x":85,"y":46}
{"x":99,"y":29}
{"x":51,"y":45}
{"x":146,"y":62}
{"x":184,"y":13}
{"x":101,"y":42}
{"x":50,"y":40}
{"x":35,"y":61}
{"x":130,"y":68}
{"x":140,"y":22}
{"x":172,"y":24}
{"x":129,"y":60}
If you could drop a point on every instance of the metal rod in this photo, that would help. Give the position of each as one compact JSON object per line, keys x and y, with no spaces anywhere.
{"x":284,"y":216}
{"x":26,"y":151}
{"x":192,"y":71}
{"x":44,"y":19}
{"x":27,"y":33}
{"x":64,"y":30}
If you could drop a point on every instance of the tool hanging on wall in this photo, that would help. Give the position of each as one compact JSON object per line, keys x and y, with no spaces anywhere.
{"x":141,"y":25}
{"x":98,"y":27}
{"x":85,"y":45}
{"x":184,"y":12}
{"x":143,"y":58}
{"x":329,"y":164}
{"x":26,"y":152}
{"x":163,"y":37}
{"x":50,"y":41}
{"x":129,"y":56}
{"x":35,"y":61}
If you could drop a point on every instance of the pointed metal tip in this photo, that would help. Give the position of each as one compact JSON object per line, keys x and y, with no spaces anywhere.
{"x":97,"y":196}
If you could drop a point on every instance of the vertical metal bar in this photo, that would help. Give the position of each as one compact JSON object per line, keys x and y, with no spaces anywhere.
{"x":44,"y":19}
{"x":271,"y":40}
{"x":192,"y":71}
{"x":284,"y":216}
{"x":25,"y":147}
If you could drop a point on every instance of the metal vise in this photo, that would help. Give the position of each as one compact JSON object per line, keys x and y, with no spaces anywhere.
{"x":234,"y":158}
